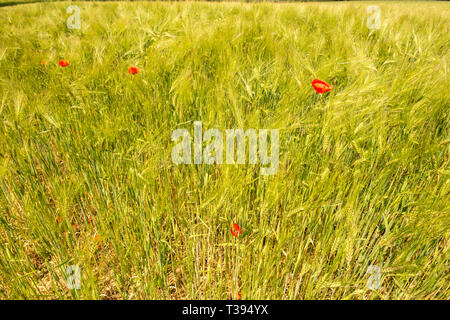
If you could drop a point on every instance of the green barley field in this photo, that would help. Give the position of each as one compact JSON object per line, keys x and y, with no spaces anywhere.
{"x":87,"y":180}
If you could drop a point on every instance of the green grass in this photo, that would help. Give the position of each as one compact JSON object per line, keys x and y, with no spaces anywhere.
{"x":364,"y":169}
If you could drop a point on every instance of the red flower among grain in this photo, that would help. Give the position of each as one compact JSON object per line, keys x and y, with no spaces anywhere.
{"x":237,"y":230}
{"x":321,"y":86}
{"x":239,"y":297}
{"x":44,"y":63}
{"x":133,"y":70}
{"x":63,"y":63}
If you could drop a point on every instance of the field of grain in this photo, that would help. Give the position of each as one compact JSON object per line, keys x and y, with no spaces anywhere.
{"x":87,"y":180}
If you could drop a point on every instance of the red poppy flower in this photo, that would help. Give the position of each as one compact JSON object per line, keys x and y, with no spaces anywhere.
{"x":321,"y":86}
{"x":237,"y":230}
{"x":63,"y":63}
{"x":133,"y":70}
{"x":239,"y":296}
{"x":44,"y":63}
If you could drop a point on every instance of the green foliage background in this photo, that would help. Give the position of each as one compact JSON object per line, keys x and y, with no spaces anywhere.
{"x":86,"y":177}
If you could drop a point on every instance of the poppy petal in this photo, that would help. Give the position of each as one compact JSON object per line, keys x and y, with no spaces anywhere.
{"x":237,"y":229}
{"x":321,"y":86}
{"x":133,"y":70}
{"x":63,"y":63}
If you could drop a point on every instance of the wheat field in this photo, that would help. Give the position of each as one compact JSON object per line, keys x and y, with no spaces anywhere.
{"x":87,"y":180}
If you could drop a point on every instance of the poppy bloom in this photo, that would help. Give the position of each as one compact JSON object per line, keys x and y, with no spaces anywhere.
{"x":239,"y":297}
{"x":44,"y":63}
{"x":133,"y":70}
{"x":237,"y":230}
{"x":320,"y":86}
{"x":63,"y":63}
